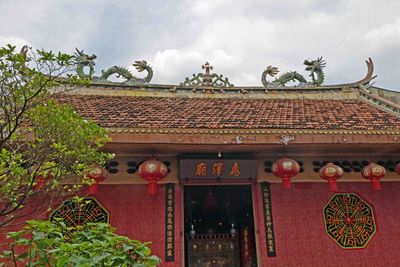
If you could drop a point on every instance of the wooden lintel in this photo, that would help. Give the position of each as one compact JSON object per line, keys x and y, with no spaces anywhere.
{"x":240,"y":138}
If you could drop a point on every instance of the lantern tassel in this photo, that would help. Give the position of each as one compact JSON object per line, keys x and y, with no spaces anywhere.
{"x":376,"y":185}
{"x":152,"y":188}
{"x":332,"y":185}
{"x":286,"y":183}
{"x":93,"y":189}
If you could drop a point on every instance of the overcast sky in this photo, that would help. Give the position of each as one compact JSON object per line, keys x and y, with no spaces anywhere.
{"x":239,"y":38}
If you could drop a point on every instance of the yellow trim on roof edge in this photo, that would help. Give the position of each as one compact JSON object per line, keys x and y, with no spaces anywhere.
{"x":251,"y":131}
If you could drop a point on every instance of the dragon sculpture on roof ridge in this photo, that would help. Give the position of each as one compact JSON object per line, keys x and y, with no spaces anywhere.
{"x":125,"y":73}
{"x":313,"y":66}
{"x":83,"y":60}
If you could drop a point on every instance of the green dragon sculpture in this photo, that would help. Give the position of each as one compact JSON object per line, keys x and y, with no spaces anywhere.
{"x":127,"y":75}
{"x":314,"y":66}
{"x":84,"y":60}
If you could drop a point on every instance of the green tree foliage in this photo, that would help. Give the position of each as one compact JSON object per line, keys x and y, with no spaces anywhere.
{"x":43,"y":243}
{"x":45,"y":147}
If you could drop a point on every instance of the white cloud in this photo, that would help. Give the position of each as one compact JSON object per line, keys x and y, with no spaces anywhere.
{"x":13,"y":40}
{"x":385,"y":34}
{"x":60,"y":25}
{"x":253,"y":41}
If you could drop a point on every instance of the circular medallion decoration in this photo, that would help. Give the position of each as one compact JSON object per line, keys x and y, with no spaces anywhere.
{"x":74,"y":213}
{"x":349,"y":220}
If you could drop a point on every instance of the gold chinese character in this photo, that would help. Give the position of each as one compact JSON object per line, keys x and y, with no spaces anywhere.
{"x":217,"y":168}
{"x":287,"y":165}
{"x":235,"y":170}
{"x":201,"y":169}
{"x":377,"y":171}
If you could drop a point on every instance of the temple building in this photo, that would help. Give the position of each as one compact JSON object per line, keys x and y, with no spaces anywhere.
{"x":290,"y":173}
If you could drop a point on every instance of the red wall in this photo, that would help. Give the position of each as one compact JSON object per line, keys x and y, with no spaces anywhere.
{"x":135,"y":214}
{"x":300,"y":234}
{"x":298,"y":222}
{"x":140,"y":216}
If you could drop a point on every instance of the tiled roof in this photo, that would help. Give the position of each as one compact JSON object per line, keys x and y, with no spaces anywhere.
{"x":232,"y":113}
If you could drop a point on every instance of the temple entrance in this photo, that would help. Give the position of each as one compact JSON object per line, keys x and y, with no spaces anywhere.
{"x":219,"y":226}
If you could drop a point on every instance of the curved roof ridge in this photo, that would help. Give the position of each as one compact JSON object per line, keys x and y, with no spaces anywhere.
{"x":380,"y":102}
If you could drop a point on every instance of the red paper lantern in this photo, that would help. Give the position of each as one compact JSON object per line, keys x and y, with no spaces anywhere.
{"x":152,"y":170}
{"x":98,"y":174}
{"x":40,"y":181}
{"x":210,"y":202}
{"x":285,"y":169}
{"x":374,"y":172}
{"x":331,"y":173}
{"x":397,"y":169}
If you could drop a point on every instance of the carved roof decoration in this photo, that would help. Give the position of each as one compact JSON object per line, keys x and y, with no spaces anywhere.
{"x":207,"y":79}
{"x":83,"y":61}
{"x":314,"y":66}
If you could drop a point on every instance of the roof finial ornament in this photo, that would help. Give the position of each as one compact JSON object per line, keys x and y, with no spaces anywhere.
{"x":207,"y":79}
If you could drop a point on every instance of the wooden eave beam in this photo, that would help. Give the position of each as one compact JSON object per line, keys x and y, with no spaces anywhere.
{"x":346,"y":137}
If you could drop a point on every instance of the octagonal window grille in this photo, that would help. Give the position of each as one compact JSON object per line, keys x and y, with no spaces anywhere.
{"x":349,"y":220}
{"x":74,"y":213}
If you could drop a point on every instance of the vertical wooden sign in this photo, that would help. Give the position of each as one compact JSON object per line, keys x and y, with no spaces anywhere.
{"x":268,"y":222}
{"x":170,"y":222}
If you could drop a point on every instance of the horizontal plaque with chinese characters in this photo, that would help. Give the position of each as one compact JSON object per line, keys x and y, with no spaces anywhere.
{"x":217,"y":168}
